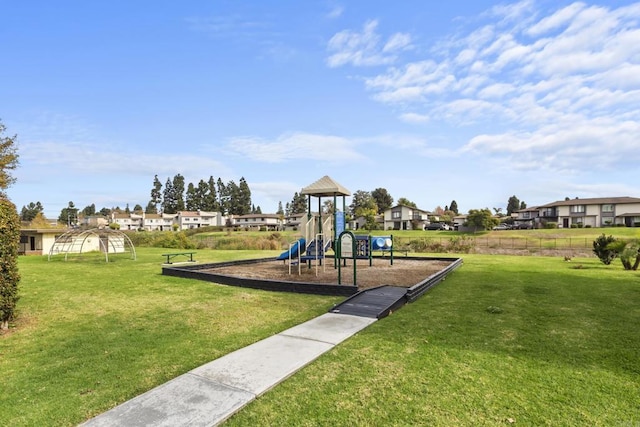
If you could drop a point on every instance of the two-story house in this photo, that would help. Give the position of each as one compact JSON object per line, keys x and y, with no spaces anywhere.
{"x":127,"y":221}
{"x":258,"y":221}
{"x":593,"y":212}
{"x":197,"y":219}
{"x":402,"y":217}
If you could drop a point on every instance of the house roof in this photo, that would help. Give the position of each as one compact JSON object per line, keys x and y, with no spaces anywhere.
{"x":400,"y":205}
{"x":325,"y":186}
{"x":248,"y":216}
{"x":593,"y":201}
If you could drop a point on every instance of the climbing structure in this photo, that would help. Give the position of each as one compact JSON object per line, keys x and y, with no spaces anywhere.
{"x":322,"y":228}
{"x":97,"y":240}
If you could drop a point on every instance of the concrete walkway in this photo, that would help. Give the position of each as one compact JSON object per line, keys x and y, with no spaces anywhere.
{"x":208,"y":395}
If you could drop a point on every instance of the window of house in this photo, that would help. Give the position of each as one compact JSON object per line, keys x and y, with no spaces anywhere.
{"x":607,"y":208}
{"x":577,"y":209}
{"x":526,"y":214}
{"x":396,"y":215}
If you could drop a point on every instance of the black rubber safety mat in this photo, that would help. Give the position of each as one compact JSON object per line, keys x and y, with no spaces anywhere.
{"x":375,"y":302}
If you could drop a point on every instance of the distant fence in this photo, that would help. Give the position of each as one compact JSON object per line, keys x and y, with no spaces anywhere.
{"x":485,"y":243}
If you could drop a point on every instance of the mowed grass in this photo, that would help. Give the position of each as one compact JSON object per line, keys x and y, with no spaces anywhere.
{"x":504,"y":340}
{"x":91,"y":335}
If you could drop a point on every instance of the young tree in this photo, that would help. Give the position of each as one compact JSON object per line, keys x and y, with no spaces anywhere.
{"x":481,"y":219}
{"x":382,"y":198}
{"x":244,"y":197}
{"x":89,"y":210}
{"x":361,"y":201}
{"x":602,"y":248}
{"x":40,"y":221}
{"x":169,"y":203}
{"x":280,"y":211}
{"x":406,"y":202}
{"x":9,"y":275}
{"x":201,"y":196}
{"x":454,"y":207}
{"x":151,"y":208}
{"x":211,"y":202}
{"x":178,"y":192}
{"x":191,"y":198}
{"x":156,"y":196}
{"x":69,"y":215}
{"x":512,"y":205}
{"x":223,"y":197}
{"x":233,"y":198}
{"x":29,"y":212}
{"x":298,"y":204}
{"x":8,"y":159}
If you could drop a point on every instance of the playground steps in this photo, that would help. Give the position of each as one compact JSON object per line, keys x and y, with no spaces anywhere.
{"x":315,"y":249}
{"x":374,"y":303}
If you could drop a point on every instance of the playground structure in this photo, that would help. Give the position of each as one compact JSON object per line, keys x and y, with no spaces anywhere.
{"x":320,"y":232}
{"x":106,"y":241}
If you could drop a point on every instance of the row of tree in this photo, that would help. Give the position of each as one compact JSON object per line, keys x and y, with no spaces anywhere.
{"x":211,"y":195}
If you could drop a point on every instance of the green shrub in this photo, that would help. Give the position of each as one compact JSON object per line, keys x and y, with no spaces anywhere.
{"x":461,"y":244}
{"x":550,"y":225}
{"x":627,"y":250}
{"x":9,"y":275}
{"x":177,"y":240}
{"x":604,"y":250}
{"x":114,"y":226}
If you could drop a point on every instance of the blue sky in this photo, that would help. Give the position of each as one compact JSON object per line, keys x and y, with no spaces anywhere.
{"x":472,"y":101}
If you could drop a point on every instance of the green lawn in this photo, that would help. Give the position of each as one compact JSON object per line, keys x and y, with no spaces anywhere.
{"x":91,"y":335}
{"x":504,"y":340}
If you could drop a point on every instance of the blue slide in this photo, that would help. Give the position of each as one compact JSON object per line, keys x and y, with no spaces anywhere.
{"x":294,"y":250}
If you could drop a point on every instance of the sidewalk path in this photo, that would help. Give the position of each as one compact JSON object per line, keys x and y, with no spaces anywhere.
{"x":208,"y":395}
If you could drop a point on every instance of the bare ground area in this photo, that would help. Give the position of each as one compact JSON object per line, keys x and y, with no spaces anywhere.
{"x":403,"y":272}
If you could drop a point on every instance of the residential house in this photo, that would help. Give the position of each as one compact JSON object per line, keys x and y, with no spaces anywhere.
{"x":259,"y":221}
{"x":294,"y":221}
{"x":38,"y":241}
{"x":196,"y":219}
{"x":158,"y":222}
{"x":592,"y":212}
{"x":526,"y":218}
{"x":402,"y":217}
{"x":93,"y":221}
{"x":459,"y":222}
{"x":127,"y":221}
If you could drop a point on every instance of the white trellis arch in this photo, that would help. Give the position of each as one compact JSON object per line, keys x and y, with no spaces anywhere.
{"x":105,"y":240}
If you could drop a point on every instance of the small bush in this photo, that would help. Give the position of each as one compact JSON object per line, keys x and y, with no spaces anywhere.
{"x":551,"y":225}
{"x":174,"y":241}
{"x":603,"y":248}
{"x":461,"y":244}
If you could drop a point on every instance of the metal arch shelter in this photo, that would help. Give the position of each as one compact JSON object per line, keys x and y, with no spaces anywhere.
{"x":82,"y":241}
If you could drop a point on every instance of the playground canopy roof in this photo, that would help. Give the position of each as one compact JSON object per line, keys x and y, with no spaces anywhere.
{"x":324,"y":187}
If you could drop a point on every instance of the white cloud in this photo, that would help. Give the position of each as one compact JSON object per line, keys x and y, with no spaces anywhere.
{"x":558,"y":19}
{"x":335,"y":12}
{"x":365,"y":48}
{"x":548,"y":89}
{"x":99,"y":159}
{"x":296,"y":146}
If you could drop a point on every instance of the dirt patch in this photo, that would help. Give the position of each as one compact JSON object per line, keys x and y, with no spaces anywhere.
{"x":403,"y":272}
